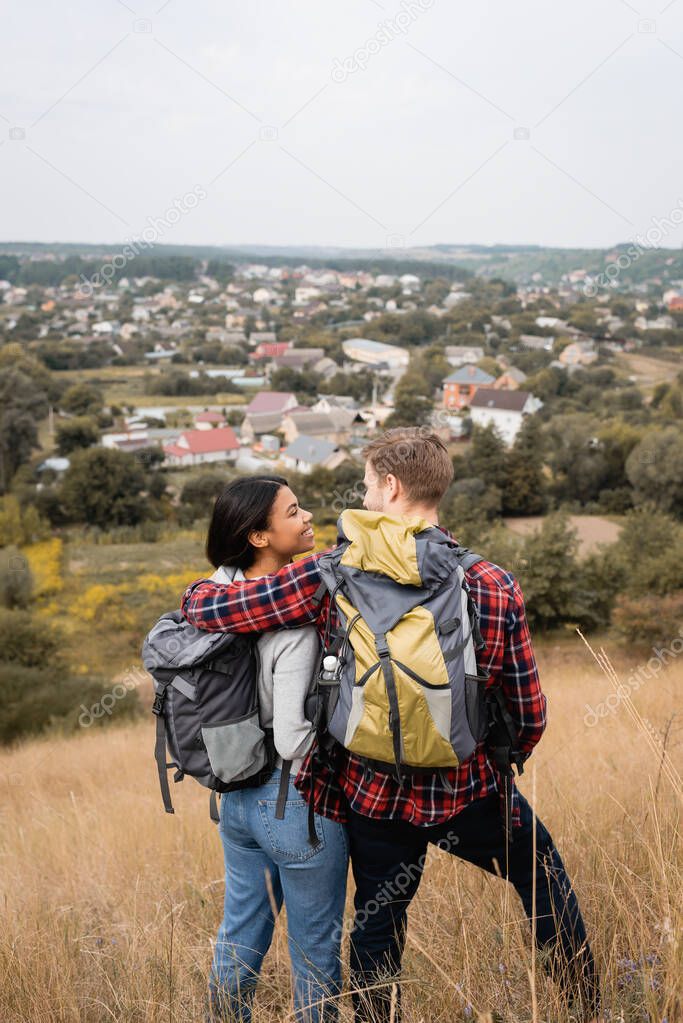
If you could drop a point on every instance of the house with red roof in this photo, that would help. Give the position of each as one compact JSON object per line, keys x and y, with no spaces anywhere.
{"x":267,"y":350}
{"x":196,"y":447}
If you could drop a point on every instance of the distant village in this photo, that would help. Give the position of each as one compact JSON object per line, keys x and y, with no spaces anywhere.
{"x":285,"y":347}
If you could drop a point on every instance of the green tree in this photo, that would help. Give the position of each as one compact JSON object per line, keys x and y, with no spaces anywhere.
{"x":327,"y":492}
{"x":547,"y":383}
{"x":486,"y":458}
{"x":550,"y":577}
{"x":524,"y":490}
{"x":410,"y":409}
{"x":577,"y":462}
{"x":356,"y":385}
{"x":469,"y":505}
{"x":490,"y":366}
{"x":22,"y":405}
{"x":105,"y":487}
{"x":655,"y":470}
{"x":302,"y":382}
{"x":220,"y":270}
{"x":82,"y":400}
{"x":583,"y":318}
{"x":79,"y":432}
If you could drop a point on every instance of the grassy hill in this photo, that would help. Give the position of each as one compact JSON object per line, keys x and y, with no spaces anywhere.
{"x":110,"y":906}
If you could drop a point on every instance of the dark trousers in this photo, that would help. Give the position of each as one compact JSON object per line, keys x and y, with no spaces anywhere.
{"x":388,"y":860}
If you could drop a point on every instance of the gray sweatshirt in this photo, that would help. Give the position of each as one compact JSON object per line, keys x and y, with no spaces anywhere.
{"x":288,"y":661}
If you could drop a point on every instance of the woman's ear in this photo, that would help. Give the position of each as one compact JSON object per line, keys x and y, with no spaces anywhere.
{"x":258,"y":539}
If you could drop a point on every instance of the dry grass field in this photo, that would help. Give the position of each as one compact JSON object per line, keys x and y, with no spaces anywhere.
{"x":648,"y":371}
{"x":109,"y":906}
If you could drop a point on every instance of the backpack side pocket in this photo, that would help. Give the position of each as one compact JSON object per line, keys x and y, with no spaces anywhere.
{"x":236,"y":748}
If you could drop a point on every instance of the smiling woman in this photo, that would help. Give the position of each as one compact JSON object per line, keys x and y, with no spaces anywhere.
{"x":257,"y":523}
{"x":256,"y":528}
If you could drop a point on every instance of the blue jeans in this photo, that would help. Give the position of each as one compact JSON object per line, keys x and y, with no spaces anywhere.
{"x":266,"y":861}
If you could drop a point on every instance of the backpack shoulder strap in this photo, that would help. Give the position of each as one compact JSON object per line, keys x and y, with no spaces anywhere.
{"x":160,"y":748}
{"x":283,"y":790}
{"x":467,"y":558}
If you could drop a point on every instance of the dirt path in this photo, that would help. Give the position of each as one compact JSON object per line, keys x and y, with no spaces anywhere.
{"x":592,"y":529}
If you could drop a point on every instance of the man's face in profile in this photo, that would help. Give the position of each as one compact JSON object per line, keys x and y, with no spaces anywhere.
{"x":375,"y":490}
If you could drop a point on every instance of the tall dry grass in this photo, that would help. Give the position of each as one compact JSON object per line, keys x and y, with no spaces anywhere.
{"x":109,"y":906}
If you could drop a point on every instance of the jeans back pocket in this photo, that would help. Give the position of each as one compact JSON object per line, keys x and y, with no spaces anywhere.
{"x":288,"y":838}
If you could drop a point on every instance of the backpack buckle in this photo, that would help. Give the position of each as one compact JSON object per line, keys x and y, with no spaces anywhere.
{"x":158,"y":705}
{"x":381,"y":646}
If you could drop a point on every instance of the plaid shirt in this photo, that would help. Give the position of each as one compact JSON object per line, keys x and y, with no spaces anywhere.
{"x":286,"y":600}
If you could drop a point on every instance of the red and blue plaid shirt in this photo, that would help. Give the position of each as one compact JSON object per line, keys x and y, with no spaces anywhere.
{"x":287,"y":600}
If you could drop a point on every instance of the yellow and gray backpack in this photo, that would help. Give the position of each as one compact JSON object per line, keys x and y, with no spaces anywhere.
{"x":404,"y":691}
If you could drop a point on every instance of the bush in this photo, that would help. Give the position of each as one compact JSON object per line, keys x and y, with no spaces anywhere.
{"x":650,"y":621}
{"x":20,"y":525}
{"x":648,"y":554}
{"x":36,"y":688}
{"x":614,"y":502}
{"x":16,"y":579}
{"x":200,"y":492}
{"x":29,"y":643}
{"x":36,"y":698}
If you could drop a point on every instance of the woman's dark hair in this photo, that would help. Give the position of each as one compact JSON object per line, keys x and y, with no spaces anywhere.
{"x":244,"y":506}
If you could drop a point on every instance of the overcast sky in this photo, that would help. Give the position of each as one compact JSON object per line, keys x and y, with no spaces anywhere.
{"x":363,"y":123}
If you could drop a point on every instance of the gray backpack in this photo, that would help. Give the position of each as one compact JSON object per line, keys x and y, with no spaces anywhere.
{"x":207,"y":708}
{"x":400,"y":686}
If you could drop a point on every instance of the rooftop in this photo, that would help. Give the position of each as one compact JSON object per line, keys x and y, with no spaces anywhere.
{"x":469,"y":375}
{"x":201,"y":442}
{"x":270,"y":401}
{"x":366,"y":345}
{"x":506,"y":401}
{"x":310,"y":449}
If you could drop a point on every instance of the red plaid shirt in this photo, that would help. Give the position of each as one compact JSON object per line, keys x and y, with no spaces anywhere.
{"x":286,"y":600}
